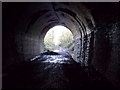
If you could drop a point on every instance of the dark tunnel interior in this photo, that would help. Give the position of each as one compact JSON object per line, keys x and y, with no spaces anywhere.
{"x":91,"y":61}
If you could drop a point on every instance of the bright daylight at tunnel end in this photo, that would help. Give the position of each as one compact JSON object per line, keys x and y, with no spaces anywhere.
{"x":60,"y":45}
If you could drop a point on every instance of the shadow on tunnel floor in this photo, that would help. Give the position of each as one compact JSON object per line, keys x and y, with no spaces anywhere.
{"x":37,"y":74}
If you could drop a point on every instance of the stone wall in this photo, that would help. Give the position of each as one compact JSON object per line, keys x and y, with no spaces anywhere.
{"x":107,"y":41}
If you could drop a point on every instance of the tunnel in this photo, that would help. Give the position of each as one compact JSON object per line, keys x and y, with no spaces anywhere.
{"x":95,"y":61}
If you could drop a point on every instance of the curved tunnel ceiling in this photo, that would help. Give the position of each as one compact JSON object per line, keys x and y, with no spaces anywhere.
{"x":39,"y":18}
{"x":71,"y":16}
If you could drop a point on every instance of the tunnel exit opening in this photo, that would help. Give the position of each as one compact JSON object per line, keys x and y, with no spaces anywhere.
{"x":59,"y":39}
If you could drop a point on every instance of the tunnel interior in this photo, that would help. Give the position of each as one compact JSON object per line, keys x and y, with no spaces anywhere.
{"x":45,"y":17}
{"x":95,"y":29}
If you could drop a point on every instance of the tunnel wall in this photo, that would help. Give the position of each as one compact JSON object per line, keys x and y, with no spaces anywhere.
{"x":25,"y":25}
{"x":10,"y":18}
{"x":106,"y":57}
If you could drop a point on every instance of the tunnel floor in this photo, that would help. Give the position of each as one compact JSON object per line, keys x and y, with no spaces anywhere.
{"x":48,"y":72}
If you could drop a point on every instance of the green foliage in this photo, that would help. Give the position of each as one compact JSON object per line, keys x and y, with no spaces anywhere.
{"x":65,"y":40}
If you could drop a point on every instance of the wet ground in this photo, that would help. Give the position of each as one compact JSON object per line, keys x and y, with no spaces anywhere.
{"x":52,"y":70}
